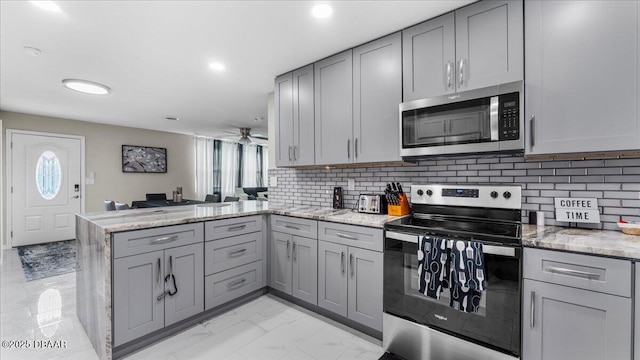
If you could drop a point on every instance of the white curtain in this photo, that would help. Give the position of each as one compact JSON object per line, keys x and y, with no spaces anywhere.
{"x":204,"y":167}
{"x":229,"y":168}
{"x":249,"y":165}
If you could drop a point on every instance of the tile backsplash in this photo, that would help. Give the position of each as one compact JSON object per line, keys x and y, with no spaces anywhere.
{"x":615,"y":182}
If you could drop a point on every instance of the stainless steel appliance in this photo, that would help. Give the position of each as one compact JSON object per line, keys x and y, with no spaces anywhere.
{"x":483,"y":120}
{"x":418,"y":327}
{"x":372,"y":204}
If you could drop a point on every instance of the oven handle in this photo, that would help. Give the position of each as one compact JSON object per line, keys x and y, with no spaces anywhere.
{"x":487,"y":249}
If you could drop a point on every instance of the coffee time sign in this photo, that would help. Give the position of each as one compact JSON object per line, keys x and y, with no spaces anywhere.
{"x":582,"y":210}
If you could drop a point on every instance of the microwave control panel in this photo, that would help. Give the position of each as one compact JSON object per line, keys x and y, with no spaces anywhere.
{"x":509,"y":111}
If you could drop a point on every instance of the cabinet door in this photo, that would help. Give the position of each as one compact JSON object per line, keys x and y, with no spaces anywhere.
{"x":489,"y":43}
{"x":186,"y":263}
{"x":137,"y":281}
{"x":377,"y":91}
{"x":428,"y":61}
{"x":581,"y":85}
{"x":365,"y":287}
{"x":281,"y":277}
{"x":561,"y":322}
{"x":284,"y":119}
{"x":303,"y":117}
{"x":333,"y":108}
{"x":332,"y":277}
{"x":636,"y":353}
{"x":305,"y":269}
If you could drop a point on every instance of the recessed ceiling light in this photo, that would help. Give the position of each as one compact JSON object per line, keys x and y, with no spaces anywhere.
{"x":172,"y":118}
{"x":216,"y":66}
{"x":321,"y":11}
{"x":47,"y":5}
{"x":32,"y":51}
{"x":87,"y":87}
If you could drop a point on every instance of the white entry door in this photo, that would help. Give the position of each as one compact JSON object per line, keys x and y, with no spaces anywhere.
{"x":44,"y":188}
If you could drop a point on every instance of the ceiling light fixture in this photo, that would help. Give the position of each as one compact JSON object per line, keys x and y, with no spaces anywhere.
{"x":87,"y":87}
{"x":321,"y":11}
{"x":47,"y":5}
{"x":216,"y":66}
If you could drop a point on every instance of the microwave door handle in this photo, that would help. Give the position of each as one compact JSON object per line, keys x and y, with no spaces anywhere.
{"x":494,"y":118}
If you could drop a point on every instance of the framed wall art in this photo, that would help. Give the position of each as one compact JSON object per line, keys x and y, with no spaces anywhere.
{"x":143,"y":159}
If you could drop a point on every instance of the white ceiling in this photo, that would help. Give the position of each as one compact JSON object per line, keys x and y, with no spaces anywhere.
{"x":155,"y":54}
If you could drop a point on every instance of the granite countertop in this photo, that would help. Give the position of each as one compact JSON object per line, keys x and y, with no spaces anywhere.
{"x":596,"y":242}
{"x":134,"y":219}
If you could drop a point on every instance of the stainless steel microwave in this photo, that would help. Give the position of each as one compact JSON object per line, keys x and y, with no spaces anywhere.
{"x":484,"y":120}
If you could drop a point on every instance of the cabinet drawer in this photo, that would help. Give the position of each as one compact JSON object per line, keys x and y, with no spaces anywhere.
{"x":295,"y":226}
{"x":142,"y":241}
{"x":358,"y":236}
{"x":228,"y":253}
{"x":231,"y":284}
{"x":220,"y":229}
{"x":605,"y":275}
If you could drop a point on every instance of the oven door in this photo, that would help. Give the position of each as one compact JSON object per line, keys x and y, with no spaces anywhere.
{"x":496,"y":325}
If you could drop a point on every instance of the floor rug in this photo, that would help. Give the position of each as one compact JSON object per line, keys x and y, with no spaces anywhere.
{"x":50,"y":259}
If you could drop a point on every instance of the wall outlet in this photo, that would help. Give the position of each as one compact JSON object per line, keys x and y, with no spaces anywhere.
{"x":351,"y":184}
{"x":273,"y":181}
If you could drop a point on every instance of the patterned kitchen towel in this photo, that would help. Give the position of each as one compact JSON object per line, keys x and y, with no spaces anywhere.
{"x":467,"y":275}
{"x":432,"y":266}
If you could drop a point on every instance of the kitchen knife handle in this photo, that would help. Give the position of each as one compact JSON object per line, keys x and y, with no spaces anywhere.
{"x":533,"y":309}
{"x":532,"y":132}
{"x":348,"y":148}
{"x":356,"y":148}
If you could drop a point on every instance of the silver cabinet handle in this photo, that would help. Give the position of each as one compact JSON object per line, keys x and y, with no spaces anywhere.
{"x":236,"y":283}
{"x":295,"y":151}
{"x":461,"y":71}
{"x":236,"y":253}
{"x":346,"y":236}
{"x":356,"y":148}
{"x":533,"y":309}
{"x":288,"y":256}
{"x":164,"y":240}
{"x":170,"y":265}
{"x":342,"y":262}
{"x":289,"y":153}
{"x":239,"y":227}
{"x":76,"y":197}
{"x":159,"y":276}
{"x":294,"y":251}
{"x":291,"y":227}
{"x":532,"y":131}
{"x":348,"y":148}
{"x":571,"y":272}
{"x":449,"y":68}
{"x":351,"y":263}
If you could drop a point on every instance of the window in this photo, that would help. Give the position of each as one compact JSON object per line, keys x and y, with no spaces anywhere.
{"x":48,"y":175}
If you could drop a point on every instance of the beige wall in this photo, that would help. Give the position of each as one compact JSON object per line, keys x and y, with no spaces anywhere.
{"x":102,"y":156}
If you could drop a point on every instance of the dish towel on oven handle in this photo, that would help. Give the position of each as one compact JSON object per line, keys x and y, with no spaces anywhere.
{"x":433,"y":266}
{"x":467,"y":275}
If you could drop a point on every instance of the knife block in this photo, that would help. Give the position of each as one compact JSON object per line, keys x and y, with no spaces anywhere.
{"x":402,"y":208}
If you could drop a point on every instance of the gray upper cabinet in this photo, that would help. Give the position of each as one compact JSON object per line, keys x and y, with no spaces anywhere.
{"x":294,"y":107}
{"x":581,"y":88}
{"x":476,"y":46}
{"x":428,"y":59}
{"x":284,"y":119}
{"x":333,"y":109}
{"x":377,"y":91}
{"x":489,"y":44}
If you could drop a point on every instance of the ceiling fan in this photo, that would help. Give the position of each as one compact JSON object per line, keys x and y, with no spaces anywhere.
{"x":245,"y":137}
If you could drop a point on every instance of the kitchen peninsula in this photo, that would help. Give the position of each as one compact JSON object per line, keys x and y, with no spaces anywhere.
{"x":103,"y":238}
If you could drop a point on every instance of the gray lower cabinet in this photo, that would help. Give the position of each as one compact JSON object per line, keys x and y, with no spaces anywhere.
{"x":576,"y":307}
{"x":294,"y":266}
{"x":350,"y":282}
{"x":570,"y":64}
{"x":139,"y":282}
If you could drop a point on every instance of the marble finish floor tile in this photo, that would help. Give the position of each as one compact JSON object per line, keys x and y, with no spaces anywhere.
{"x":265,"y":328}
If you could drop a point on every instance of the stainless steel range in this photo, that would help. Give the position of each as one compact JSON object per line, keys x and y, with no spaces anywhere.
{"x":419,"y":327}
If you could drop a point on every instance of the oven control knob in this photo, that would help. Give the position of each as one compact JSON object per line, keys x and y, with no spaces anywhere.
{"x":494,"y":194}
{"x":429,"y":192}
{"x":506,"y":195}
{"x":420,"y":192}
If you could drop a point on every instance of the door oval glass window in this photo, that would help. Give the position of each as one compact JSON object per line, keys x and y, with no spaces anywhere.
{"x":48,"y":175}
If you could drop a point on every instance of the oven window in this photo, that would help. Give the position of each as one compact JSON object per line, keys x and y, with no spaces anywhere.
{"x":496,"y":325}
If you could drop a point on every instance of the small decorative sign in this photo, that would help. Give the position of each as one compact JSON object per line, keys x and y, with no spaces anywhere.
{"x":582,"y":210}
